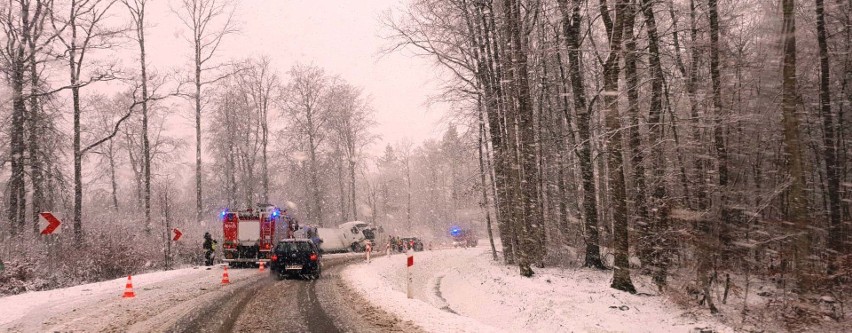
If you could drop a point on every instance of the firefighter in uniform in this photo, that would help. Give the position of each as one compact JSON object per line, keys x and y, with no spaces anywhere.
{"x":209,"y":248}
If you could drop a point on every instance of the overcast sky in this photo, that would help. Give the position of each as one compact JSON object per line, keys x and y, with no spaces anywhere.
{"x":343,"y":37}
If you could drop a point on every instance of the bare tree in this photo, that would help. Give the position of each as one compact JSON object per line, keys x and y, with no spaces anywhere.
{"x":350,"y":118}
{"x":836,"y":232}
{"x":615,"y":161}
{"x":82,"y":31}
{"x":137,"y":14}
{"x":571,"y":25}
{"x":303,"y":104}
{"x":209,"y":22}
{"x":658,"y":231}
{"x":261,"y":83}
{"x":404,"y":149}
{"x":26,"y":42}
{"x":797,"y":199}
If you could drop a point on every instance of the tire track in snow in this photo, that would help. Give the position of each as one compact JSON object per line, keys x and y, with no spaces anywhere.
{"x":444,"y":304}
{"x":221,"y":313}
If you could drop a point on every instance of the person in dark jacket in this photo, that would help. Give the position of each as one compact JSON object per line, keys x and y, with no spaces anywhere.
{"x":209,"y":248}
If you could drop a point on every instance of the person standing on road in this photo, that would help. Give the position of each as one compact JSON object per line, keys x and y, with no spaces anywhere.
{"x":209,"y":248}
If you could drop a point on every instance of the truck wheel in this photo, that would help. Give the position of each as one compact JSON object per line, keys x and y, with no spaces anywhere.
{"x":357,"y":247}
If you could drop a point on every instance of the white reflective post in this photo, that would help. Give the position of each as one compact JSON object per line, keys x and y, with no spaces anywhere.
{"x":409,"y":263}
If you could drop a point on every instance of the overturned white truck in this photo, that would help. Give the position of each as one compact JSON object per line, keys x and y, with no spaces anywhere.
{"x":350,"y":236}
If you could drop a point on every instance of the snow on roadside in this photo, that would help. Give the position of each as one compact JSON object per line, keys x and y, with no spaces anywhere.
{"x":382,"y":283}
{"x":40,"y":305}
{"x":462,"y":290}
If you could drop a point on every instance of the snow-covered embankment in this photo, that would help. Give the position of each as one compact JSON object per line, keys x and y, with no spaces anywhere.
{"x":462,"y":290}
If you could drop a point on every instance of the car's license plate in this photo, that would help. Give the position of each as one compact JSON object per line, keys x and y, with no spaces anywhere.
{"x":293,"y":267}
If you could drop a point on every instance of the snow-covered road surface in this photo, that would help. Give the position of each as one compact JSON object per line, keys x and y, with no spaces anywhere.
{"x":193,"y":300}
{"x":462,"y":290}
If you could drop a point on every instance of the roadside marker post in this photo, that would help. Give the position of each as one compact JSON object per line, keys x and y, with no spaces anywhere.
{"x":368,"y":250}
{"x":410,"y":262}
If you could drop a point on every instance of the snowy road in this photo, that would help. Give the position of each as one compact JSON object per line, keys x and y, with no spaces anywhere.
{"x":193,"y":300}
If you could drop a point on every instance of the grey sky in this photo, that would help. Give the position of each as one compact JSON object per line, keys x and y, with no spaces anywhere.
{"x":343,"y":37}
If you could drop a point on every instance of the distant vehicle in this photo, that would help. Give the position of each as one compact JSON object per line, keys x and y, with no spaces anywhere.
{"x":248,"y":235}
{"x":350,"y":236}
{"x":463,"y":237}
{"x":412,"y":243}
{"x":296,"y":257}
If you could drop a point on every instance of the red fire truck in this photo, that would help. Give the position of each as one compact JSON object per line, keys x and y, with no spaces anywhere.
{"x":249,"y":234}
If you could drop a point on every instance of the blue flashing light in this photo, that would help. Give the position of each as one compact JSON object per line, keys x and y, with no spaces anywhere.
{"x":275,"y":213}
{"x":222,"y":214}
{"x":455,"y":231}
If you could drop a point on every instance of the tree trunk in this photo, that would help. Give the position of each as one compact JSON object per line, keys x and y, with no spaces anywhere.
{"x":796,"y":196}
{"x":198,"y":192}
{"x":408,"y":194}
{"x":352,"y":196}
{"x":113,"y":183}
{"x":497,"y":108}
{"x":691,"y":88}
{"x":264,"y":155}
{"x":477,"y":30}
{"x":684,"y":174}
{"x":659,"y":241}
{"x":719,"y":136}
{"x":634,"y":139}
{"x":621,"y":268}
{"x":36,"y":128}
{"x":526,"y":161}
{"x":485,"y":203}
{"x":573,"y":35}
{"x":835,"y":232}
{"x":342,"y":187}
{"x":78,"y":154}
{"x":146,"y":147}
{"x":17,"y":186}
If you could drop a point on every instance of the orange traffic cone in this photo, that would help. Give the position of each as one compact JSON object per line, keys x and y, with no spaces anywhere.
{"x":225,"y":279}
{"x":128,"y":289}
{"x":261,"y":266}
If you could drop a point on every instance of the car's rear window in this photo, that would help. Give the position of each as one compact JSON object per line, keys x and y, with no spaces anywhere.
{"x":294,"y":247}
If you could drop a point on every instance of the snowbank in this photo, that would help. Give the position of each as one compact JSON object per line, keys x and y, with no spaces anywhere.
{"x":40,"y":305}
{"x":462,"y":290}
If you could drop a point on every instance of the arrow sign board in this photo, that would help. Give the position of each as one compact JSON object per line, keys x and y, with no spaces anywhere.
{"x":177,"y":234}
{"x":49,"y":223}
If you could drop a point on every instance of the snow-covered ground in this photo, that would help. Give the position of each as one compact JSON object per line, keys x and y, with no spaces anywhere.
{"x":462,"y":290}
{"x":100,"y":306}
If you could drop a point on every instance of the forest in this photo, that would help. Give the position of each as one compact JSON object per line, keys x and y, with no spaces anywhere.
{"x":703,"y":144}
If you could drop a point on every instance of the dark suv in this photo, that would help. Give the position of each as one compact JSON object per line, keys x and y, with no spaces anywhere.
{"x":296,"y":257}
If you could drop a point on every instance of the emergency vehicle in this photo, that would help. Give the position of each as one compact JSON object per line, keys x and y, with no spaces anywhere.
{"x":249,"y":235}
{"x":463,"y":237}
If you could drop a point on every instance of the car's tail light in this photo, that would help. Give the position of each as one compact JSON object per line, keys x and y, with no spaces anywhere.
{"x":313,"y":257}
{"x":274,"y":258}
